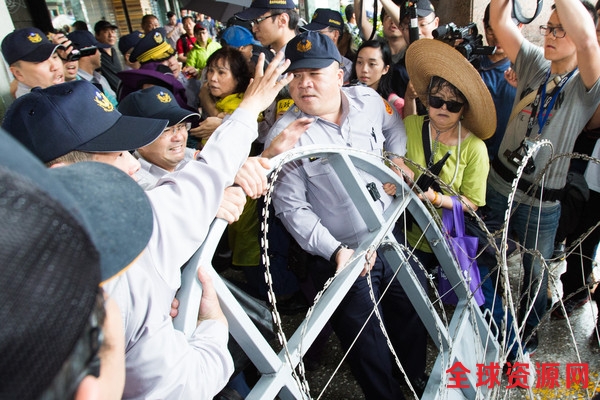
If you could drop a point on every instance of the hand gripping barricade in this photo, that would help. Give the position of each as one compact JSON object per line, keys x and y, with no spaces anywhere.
{"x":465,"y":338}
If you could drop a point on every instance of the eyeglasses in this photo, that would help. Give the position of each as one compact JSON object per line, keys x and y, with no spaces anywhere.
{"x":173,"y":130}
{"x":451,"y":105}
{"x":422,"y":25}
{"x":257,"y":21}
{"x":557,"y":31}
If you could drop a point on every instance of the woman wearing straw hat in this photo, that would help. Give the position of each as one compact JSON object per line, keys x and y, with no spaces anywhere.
{"x":461,"y":114}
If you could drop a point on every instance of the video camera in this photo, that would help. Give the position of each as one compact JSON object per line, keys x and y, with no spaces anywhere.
{"x":76,"y":54}
{"x":465,"y":39}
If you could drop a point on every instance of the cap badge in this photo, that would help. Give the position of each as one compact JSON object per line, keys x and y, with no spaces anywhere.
{"x":304,"y":46}
{"x":34,"y":37}
{"x":103,"y":102}
{"x":158,"y":38}
{"x":163,"y":97}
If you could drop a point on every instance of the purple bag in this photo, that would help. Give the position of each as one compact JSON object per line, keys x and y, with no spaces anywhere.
{"x":465,"y":249}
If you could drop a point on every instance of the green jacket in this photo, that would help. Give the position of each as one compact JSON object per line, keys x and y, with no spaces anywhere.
{"x":198,"y":55}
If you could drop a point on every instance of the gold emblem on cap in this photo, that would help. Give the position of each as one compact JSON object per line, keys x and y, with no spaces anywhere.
{"x":103,"y":102}
{"x":163,"y":97}
{"x":278,"y":2}
{"x":34,"y":37}
{"x":158,"y":38}
{"x":304,"y":46}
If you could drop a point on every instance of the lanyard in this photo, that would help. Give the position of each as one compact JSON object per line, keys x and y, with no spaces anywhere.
{"x":547,"y":102}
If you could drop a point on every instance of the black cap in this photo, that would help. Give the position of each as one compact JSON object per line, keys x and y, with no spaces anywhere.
{"x":311,"y":49}
{"x":259,"y":7}
{"x":152,"y":47}
{"x":83,"y":39}
{"x":27,"y":44}
{"x":325,"y":18}
{"x":72,"y":116}
{"x":103,"y":24}
{"x":156,"y":102}
{"x":424,"y":8}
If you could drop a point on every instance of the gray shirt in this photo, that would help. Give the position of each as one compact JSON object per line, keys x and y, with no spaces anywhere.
{"x":308,"y":197}
{"x":572,"y":110}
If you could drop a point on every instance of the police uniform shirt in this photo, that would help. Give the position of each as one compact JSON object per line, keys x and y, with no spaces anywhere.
{"x":309,"y":197}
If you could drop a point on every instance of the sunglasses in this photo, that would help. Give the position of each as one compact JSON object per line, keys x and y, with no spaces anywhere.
{"x":451,"y":105}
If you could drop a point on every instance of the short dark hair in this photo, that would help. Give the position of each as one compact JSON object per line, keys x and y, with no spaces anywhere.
{"x":293,"y":14}
{"x":187,"y":17}
{"x":170,"y":14}
{"x":349,"y":11}
{"x":237,"y":65}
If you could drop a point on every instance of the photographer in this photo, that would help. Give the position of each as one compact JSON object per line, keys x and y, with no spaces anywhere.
{"x":492,"y":68}
{"x":571,"y":59}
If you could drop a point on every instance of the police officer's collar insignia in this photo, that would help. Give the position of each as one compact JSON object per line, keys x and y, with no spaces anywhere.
{"x":304,"y":45}
{"x":103,"y":102}
{"x":34,"y":37}
{"x":163,"y":97}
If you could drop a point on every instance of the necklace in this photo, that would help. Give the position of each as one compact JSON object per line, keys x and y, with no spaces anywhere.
{"x":435,"y":143}
{"x":435,"y":146}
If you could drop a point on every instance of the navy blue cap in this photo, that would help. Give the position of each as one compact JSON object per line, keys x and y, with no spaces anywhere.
{"x":311,"y":49}
{"x":83,"y":39}
{"x":111,"y":206}
{"x":156,"y":102}
{"x":129,"y":41}
{"x":27,"y":44}
{"x":325,"y":18}
{"x":424,"y":8}
{"x":72,"y":116}
{"x":259,"y":7}
{"x":152,"y":47}
{"x":238,"y":36}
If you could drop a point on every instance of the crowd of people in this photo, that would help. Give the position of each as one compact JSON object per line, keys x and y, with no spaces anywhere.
{"x":115,"y":162}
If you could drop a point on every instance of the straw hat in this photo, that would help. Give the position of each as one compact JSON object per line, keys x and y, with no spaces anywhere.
{"x":427,"y":58}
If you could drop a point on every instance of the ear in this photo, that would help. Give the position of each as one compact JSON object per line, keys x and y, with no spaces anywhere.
{"x":340,"y":76}
{"x":88,"y":389}
{"x":283,"y":19}
{"x":385,"y":70}
{"x":58,"y":165}
{"x":16,"y":71}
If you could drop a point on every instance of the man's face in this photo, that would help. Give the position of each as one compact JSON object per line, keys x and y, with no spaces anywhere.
{"x":390,"y":30}
{"x":151,"y":24}
{"x":188,"y":26}
{"x":42,"y":74}
{"x":169,"y":149}
{"x":173,"y":20}
{"x":108,"y":36}
{"x":122,"y":160}
{"x":333,"y":34}
{"x":70,"y":70}
{"x":173,"y":64}
{"x":491,"y":40}
{"x":426,"y":26}
{"x":266,"y":29}
{"x":557,"y":48}
{"x":202,"y":36}
{"x":312,"y":89}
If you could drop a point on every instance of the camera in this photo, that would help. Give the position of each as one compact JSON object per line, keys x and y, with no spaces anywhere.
{"x":466,"y":39}
{"x":76,"y":54}
{"x":516,"y":158}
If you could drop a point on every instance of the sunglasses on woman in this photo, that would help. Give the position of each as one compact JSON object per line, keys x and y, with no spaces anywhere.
{"x":451,"y":105}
